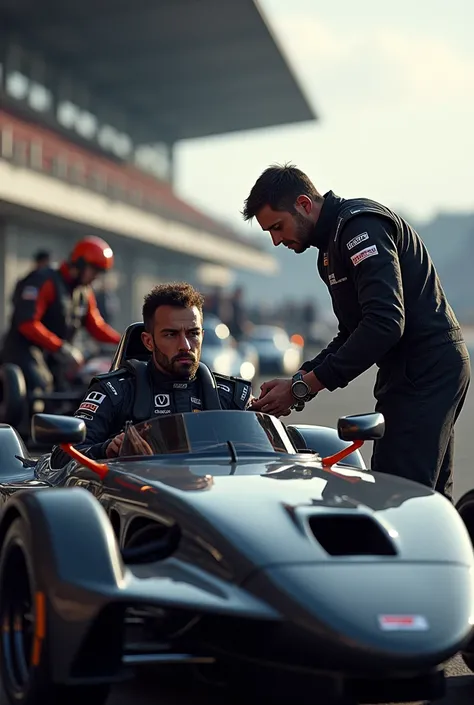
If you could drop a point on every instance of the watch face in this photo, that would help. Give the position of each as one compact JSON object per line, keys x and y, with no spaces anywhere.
{"x":300,"y":389}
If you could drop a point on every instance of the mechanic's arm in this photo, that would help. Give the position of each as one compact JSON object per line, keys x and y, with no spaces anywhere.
{"x":98,"y":414}
{"x":331,"y":348}
{"x":97,"y":327}
{"x":30,"y":310}
{"x":374,"y":268}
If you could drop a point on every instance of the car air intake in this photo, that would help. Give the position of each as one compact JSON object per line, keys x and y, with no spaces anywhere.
{"x":346,"y":535}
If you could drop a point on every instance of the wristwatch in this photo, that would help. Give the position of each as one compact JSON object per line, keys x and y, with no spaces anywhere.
{"x":301,"y":389}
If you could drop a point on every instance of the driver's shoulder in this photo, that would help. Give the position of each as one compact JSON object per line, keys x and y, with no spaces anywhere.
{"x":115,"y":385}
{"x":234,"y":389}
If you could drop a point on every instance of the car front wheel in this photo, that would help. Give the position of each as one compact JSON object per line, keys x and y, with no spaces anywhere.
{"x":24,"y":645}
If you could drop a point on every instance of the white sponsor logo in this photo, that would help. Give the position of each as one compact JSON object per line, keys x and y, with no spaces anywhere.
{"x":30,"y":293}
{"x":180,"y":385}
{"x":162,"y":400}
{"x":357,"y":240}
{"x":111,"y":386}
{"x":195,"y":400}
{"x":403,"y":623}
{"x":86,"y":417}
{"x":244,"y":394}
{"x":364,"y":254}
{"x":96,"y":397}
{"x":224,"y":387}
{"x":333,"y":280}
{"x":162,"y":411}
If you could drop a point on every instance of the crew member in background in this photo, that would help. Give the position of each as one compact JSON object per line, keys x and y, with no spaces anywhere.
{"x":49,"y":307}
{"x":42,"y":261}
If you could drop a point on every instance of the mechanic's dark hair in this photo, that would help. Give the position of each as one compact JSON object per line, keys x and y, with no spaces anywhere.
{"x":278,"y":187}
{"x":41,"y":256}
{"x":179,"y":294}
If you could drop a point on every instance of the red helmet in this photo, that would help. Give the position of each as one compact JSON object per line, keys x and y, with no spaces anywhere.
{"x":94,"y":251}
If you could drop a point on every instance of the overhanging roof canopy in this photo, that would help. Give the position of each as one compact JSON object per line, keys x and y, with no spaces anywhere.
{"x":183,"y":68}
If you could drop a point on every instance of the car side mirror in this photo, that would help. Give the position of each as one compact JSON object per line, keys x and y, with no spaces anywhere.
{"x":361,"y":427}
{"x":52,"y":429}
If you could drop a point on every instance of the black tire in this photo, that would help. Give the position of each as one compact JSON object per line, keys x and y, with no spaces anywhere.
{"x":465,"y":507}
{"x":25,"y":683}
{"x":13,"y":394}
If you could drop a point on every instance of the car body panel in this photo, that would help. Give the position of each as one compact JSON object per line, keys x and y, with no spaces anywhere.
{"x":251,"y":541}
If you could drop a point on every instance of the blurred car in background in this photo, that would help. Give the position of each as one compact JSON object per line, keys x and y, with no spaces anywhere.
{"x":222,"y":353}
{"x":95,"y":365}
{"x":277,"y":354}
{"x":18,"y":403}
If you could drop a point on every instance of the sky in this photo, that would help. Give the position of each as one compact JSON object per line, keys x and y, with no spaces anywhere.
{"x":393,"y":85}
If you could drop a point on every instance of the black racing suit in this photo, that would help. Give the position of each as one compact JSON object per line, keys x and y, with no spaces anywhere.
{"x":137,"y":392}
{"x":393,"y":312}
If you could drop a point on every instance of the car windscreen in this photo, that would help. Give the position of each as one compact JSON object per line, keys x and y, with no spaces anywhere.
{"x":207,"y":432}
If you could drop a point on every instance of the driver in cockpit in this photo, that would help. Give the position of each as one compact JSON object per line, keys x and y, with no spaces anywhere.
{"x":172,"y":315}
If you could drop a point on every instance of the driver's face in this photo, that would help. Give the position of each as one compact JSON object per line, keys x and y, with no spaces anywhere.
{"x":292,"y":230}
{"x":176,"y":341}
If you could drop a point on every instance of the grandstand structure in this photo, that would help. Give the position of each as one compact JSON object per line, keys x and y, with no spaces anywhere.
{"x":94,"y":96}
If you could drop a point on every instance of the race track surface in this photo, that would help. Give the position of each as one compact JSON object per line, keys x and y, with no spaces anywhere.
{"x":149,"y":688}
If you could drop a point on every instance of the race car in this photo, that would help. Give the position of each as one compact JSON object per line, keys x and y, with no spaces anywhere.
{"x":265,"y":554}
{"x":18,"y":404}
{"x":224,"y":539}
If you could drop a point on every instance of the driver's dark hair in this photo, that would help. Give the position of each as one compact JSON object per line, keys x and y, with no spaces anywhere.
{"x":179,"y":294}
{"x":278,"y":187}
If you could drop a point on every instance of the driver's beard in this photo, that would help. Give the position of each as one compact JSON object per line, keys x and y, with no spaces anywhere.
{"x":172,"y":367}
{"x":304,"y":229}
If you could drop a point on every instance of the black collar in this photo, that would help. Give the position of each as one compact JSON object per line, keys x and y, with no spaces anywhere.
{"x":327,"y":220}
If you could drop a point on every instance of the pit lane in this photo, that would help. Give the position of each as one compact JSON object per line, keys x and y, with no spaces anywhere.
{"x":151,"y":688}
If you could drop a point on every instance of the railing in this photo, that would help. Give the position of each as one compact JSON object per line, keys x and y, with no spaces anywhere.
{"x":32,"y":147}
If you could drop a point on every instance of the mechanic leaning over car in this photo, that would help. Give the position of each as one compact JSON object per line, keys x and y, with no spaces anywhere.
{"x":50,"y":305}
{"x":168,"y":384}
{"x":392,"y":312}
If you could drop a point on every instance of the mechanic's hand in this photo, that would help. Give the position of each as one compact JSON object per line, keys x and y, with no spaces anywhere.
{"x":113,"y":449}
{"x":276,"y":398}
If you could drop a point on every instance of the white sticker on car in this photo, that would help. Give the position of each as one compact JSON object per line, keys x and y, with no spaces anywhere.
{"x":403,"y":622}
{"x":364,"y":254}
